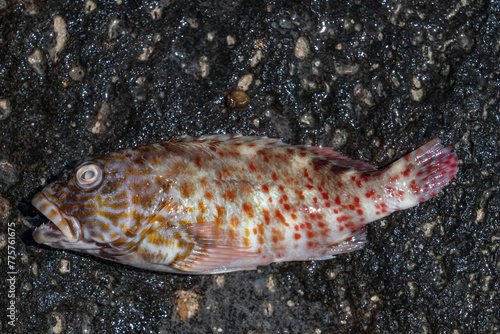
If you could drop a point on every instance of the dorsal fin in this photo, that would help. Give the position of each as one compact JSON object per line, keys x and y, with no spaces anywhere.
{"x":336,"y":158}
{"x":233,"y":139}
{"x":325,"y":153}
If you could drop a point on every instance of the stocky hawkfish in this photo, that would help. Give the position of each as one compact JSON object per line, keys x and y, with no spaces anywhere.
{"x":223,"y":203}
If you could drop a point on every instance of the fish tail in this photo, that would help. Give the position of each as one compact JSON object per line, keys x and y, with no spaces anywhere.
{"x":419,"y":175}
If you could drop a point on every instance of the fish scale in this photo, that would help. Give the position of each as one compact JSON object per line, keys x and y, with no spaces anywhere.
{"x":223,"y":203}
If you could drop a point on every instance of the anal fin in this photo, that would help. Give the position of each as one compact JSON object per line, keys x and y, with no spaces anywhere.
{"x":353,"y":243}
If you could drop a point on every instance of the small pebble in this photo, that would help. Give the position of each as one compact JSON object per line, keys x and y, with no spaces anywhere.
{"x":76,"y":73}
{"x":302,"y":49}
{"x":36,"y":60}
{"x":8,"y":173}
{"x":90,"y":6}
{"x":61,"y":30}
{"x":245,"y":82}
{"x":5,"y":109}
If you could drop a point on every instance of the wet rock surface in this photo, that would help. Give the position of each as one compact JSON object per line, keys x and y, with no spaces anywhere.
{"x":373,"y":79}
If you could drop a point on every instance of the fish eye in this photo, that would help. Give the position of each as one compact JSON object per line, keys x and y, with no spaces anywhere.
{"x":88,"y":176}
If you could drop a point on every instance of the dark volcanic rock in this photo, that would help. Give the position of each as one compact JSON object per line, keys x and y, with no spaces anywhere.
{"x":375,"y":79}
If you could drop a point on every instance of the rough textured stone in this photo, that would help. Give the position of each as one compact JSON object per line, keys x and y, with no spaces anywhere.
{"x":386,"y":75}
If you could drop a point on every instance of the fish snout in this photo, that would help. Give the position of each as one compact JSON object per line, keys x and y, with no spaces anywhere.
{"x":61,"y":226}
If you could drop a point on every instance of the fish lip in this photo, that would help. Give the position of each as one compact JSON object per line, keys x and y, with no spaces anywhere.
{"x":61,"y":226}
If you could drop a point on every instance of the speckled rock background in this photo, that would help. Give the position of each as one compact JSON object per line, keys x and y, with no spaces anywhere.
{"x":373,"y":79}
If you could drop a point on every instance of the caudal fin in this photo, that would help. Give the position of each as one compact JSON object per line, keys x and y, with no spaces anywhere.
{"x":423,"y":173}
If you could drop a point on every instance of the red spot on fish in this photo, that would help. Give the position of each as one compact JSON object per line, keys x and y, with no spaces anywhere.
{"x":275,"y":176}
{"x":321,"y":224}
{"x":360,"y":212}
{"x":340,"y":184}
{"x":309,"y":225}
{"x":287,"y":207}
{"x":311,"y":234}
{"x":265,"y":188}
{"x":343,"y":218}
{"x":252,"y":167}
{"x":325,"y":196}
{"x":358,"y":183}
{"x":337,"y":200}
{"x":393,"y":179}
{"x":309,"y":187}
{"x":297,"y":236}
{"x":281,"y":188}
{"x":370,"y":193}
{"x":294,"y":216}
{"x":208,"y":195}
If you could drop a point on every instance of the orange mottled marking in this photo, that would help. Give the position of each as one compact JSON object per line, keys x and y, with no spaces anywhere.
{"x":280,"y":217}
{"x":208,"y":195}
{"x":202,"y":207}
{"x":261,"y":228}
{"x":234,"y":222}
{"x":186,"y":189}
{"x":246,"y":241}
{"x":267,"y":219}
{"x":248,"y":209}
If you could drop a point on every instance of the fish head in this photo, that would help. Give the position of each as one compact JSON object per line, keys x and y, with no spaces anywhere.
{"x":103,"y":206}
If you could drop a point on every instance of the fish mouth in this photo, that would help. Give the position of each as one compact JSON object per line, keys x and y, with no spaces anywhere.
{"x":61,"y":228}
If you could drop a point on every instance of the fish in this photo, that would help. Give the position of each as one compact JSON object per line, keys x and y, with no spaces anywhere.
{"x":221,"y":203}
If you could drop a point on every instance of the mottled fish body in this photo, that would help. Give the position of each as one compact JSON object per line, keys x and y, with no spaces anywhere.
{"x":223,"y":203}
